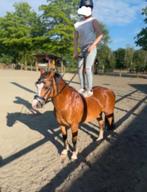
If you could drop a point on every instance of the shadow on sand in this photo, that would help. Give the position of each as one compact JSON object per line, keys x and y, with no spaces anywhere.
{"x":43,"y":123}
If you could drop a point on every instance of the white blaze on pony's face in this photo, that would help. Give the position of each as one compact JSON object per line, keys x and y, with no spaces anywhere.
{"x":39,"y":87}
{"x":45,"y":89}
{"x":38,"y":101}
{"x":40,"y":97}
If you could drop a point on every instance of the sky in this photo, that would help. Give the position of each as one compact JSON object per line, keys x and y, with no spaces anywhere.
{"x":122,"y":18}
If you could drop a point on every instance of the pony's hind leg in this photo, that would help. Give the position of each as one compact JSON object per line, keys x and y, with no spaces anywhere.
{"x":101,"y":127}
{"x":64,"y":135}
{"x":109,"y":121}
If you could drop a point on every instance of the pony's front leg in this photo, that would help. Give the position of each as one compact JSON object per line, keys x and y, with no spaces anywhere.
{"x":101,"y":128}
{"x":74,"y":141}
{"x":64,"y":135}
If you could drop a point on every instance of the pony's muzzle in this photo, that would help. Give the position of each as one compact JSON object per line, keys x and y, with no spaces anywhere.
{"x":38,"y":102}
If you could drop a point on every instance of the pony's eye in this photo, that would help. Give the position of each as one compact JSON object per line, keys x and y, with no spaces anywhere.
{"x":36,"y":83}
{"x":45,"y":87}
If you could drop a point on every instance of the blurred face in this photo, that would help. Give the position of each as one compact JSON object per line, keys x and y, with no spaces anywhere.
{"x":85,"y":11}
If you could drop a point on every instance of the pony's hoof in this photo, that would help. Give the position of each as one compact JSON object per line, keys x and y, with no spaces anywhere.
{"x":99,"y":138}
{"x":74,"y":155}
{"x":64,"y":152}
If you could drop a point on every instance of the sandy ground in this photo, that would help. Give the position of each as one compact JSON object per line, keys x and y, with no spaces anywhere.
{"x":30,"y":145}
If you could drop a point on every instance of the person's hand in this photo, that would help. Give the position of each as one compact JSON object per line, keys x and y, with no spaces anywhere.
{"x":91,"y":47}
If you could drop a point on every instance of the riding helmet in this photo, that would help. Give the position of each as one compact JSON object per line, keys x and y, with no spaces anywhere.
{"x":86,"y":3}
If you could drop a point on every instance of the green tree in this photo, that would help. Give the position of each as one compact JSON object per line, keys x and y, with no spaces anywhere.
{"x":129,"y":53}
{"x":6,"y":59}
{"x":140,"y":61}
{"x":105,"y":58}
{"x":142,"y":35}
{"x":18,"y":31}
{"x":120,"y":58}
{"x":58,"y":17}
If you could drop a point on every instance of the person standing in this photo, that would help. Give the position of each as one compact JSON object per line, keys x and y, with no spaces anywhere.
{"x":87,"y":36}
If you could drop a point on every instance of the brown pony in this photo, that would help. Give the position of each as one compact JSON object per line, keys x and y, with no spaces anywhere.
{"x":71,"y":108}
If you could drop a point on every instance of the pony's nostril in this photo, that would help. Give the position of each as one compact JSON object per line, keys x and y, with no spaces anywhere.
{"x":34,"y":103}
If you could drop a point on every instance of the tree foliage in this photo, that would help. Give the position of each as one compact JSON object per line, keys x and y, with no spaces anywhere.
{"x":129,"y":53}
{"x":18,"y":31}
{"x":105,"y":58}
{"x":133,"y":60}
{"x":120,"y":58}
{"x":24,"y":33}
{"x":139,"y":61}
{"x":142,"y":35}
{"x":58,"y":17}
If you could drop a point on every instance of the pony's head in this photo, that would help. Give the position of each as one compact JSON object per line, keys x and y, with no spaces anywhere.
{"x":46,"y":88}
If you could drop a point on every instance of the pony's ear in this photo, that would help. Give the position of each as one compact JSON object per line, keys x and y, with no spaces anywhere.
{"x":42,"y":71}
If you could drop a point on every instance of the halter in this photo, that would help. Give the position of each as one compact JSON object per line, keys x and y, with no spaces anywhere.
{"x":42,"y":100}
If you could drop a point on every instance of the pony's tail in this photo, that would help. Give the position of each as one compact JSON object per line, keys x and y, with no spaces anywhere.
{"x":109,"y":122}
